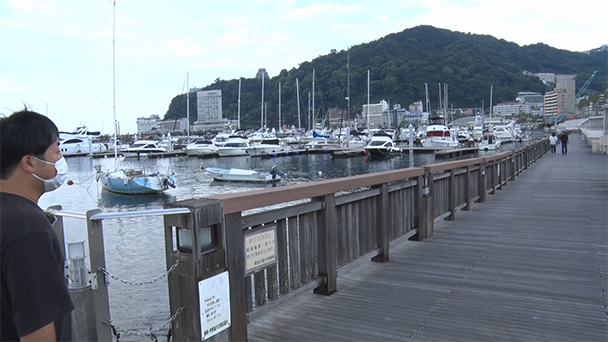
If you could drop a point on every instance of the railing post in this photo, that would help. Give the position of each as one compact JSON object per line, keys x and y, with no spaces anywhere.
{"x":481,"y":179}
{"x":452,"y":195}
{"x":98,"y":264}
{"x":493,"y":177}
{"x":327,"y":238}
{"x":382,"y":228}
{"x":421,"y":221}
{"x":235,"y":262}
{"x":467,"y":189}
{"x":430,"y":208}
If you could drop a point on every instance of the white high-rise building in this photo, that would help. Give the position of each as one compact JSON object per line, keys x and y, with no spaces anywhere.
{"x":209,"y":110}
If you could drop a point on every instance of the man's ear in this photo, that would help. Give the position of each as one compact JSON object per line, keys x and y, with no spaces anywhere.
{"x":27,"y":164}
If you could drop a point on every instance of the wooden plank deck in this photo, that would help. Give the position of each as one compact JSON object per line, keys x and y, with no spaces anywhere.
{"x":528,"y":264}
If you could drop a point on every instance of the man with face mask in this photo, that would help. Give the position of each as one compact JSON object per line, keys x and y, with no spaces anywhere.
{"x":35,"y":301}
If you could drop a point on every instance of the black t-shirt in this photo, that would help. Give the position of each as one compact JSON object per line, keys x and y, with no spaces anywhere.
{"x":34,"y":290}
{"x":563,"y":138}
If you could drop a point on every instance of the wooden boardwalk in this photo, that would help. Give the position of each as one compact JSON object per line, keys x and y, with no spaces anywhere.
{"x":528,"y":264}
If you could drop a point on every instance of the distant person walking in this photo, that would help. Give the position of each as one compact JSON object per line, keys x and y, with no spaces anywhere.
{"x":553,"y":142}
{"x":564,"y":139}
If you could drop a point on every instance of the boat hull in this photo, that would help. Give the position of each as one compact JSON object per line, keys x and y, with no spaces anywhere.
{"x":238,"y":175}
{"x":122,"y":183}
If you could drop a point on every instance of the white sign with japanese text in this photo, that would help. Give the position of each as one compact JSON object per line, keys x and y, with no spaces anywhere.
{"x":214,"y":296}
{"x":260,"y":249}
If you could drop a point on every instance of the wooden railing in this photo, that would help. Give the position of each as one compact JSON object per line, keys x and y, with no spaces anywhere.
{"x":321,"y":226}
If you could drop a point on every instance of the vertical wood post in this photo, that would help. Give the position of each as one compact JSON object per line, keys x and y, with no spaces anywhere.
{"x":235,"y":262}
{"x":421,"y":220}
{"x":382,"y":228}
{"x":493,"y":178}
{"x":452,"y":195}
{"x":97,"y":258}
{"x":467,"y":189}
{"x":481,"y":179}
{"x":327,"y":236}
{"x":430,"y":208}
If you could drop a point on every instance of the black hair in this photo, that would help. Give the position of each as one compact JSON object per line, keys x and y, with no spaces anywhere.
{"x":24,"y":133}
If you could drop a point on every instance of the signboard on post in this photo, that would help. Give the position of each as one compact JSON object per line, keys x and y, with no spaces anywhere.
{"x":214,"y":297}
{"x":260,"y":249}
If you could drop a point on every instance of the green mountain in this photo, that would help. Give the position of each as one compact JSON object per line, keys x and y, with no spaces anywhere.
{"x":400,"y":64}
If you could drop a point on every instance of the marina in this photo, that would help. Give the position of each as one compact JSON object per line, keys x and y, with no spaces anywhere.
{"x":134,"y":245}
{"x":128,"y":240}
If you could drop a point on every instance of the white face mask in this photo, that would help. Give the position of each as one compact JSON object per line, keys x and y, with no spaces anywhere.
{"x":62,"y":173}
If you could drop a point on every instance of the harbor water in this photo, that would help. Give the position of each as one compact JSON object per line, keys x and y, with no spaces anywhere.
{"x":134,"y":246}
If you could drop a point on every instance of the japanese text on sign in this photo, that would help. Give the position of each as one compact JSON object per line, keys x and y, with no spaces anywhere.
{"x":260,"y":249}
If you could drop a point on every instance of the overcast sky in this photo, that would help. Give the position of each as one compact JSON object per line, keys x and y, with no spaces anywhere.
{"x":57,"y":54}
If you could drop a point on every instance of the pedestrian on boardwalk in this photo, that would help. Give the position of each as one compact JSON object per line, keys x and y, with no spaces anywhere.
{"x":553,"y":142}
{"x":564,"y":139}
{"x":36,"y":303}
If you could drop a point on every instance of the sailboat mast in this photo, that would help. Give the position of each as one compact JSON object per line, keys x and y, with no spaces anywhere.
{"x":114,"y":77}
{"x":279,"y":106}
{"x":439,"y":110}
{"x":298,"y":101}
{"x":367,"y":98}
{"x":426,"y":94}
{"x":491,"y":91}
{"x":262,"y":108}
{"x":314,"y":119}
{"x":348,"y":87}
{"x":238,"y":122}
{"x":187,"y":106}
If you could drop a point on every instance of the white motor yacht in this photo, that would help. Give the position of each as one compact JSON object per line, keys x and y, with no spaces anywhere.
{"x":382,"y":145}
{"x":268,"y":146}
{"x":80,"y":146}
{"x":141,"y":148}
{"x":235,"y":146}
{"x":201,"y":148}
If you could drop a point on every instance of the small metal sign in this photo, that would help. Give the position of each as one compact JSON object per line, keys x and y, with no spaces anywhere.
{"x":260,"y":249}
{"x":214,"y":296}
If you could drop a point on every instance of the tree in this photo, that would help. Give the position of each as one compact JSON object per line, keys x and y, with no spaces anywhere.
{"x":595,"y":99}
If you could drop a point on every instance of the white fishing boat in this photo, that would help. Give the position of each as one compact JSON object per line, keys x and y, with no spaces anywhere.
{"x":242,"y":175}
{"x":201,"y":148}
{"x":381,"y":145}
{"x":131,"y":181}
{"x":439,"y":135}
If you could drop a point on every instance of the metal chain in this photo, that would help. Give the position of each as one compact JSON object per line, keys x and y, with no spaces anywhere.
{"x":117,"y":331}
{"x":134,"y":283}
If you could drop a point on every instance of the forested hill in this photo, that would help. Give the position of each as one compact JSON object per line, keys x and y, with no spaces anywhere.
{"x":400,"y":64}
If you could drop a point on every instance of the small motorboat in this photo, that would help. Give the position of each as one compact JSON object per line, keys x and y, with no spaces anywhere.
{"x":242,"y":175}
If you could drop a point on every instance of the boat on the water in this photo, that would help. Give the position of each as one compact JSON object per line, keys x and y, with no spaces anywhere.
{"x":141,"y":148}
{"x":79,"y":146}
{"x":268,"y":146}
{"x":235,"y":146}
{"x":381,"y":145}
{"x":242,"y":175}
{"x":489,"y":142}
{"x":439,"y":135}
{"x":134,"y":181}
{"x":201,"y":148}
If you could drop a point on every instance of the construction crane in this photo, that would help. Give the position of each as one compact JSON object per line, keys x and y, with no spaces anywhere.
{"x":555,"y":119}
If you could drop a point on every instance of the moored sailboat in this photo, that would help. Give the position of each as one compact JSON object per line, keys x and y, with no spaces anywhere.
{"x":130,"y":181}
